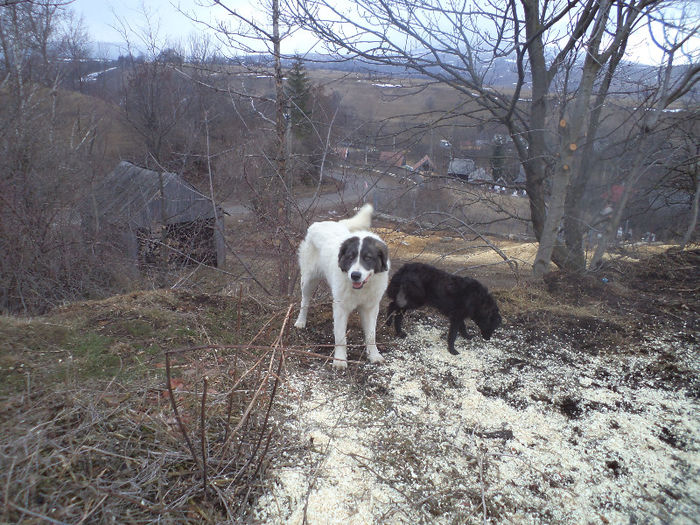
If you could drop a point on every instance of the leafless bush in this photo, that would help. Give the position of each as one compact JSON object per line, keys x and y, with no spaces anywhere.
{"x":47,"y":266}
{"x":46,"y":259}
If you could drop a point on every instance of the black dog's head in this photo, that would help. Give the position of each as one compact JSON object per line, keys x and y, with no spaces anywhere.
{"x":487,"y":317}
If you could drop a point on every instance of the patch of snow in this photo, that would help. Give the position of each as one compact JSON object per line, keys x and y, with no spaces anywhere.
{"x":429,"y":437}
{"x":92,"y":77}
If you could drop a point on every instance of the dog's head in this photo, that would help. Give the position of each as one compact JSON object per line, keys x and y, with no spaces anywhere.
{"x":362,"y":257}
{"x":487,"y":317}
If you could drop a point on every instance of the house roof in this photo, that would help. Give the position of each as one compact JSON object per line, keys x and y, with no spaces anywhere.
{"x":395,"y":158}
{"x":461,"y":167}
{"x":424,"y":161}
{"x":480,"y":175}
{"x":132,"y":195}
{"x":615,"y":193}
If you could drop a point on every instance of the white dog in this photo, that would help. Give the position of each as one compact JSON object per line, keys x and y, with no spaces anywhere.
{"x":355,"y":263}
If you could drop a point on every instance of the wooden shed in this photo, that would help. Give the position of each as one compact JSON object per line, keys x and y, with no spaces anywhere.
{"x":157,"y":216}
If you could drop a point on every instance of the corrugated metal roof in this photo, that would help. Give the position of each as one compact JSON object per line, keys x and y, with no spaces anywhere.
{"x":461,"y":167}
{"x":132,"y":195}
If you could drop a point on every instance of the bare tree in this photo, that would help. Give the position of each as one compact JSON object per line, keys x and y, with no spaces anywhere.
{"x":650,"y":112}
{"x":155,"y":102}
{"x":74,"y":47}
{"x":43,"y":170}
{"x":566,"y":56}
{"x":265,"y":34}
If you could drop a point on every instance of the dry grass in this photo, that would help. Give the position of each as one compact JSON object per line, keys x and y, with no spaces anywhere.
{"x":376,"y":99}
{"x":455,"y":251}
{"x":114,"y":453}
{"x":94,"y":432}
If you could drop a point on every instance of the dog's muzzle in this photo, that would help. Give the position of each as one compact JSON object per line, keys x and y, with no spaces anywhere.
{"x":356,"y":282}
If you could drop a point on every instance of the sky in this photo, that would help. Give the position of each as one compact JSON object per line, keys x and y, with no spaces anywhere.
{"x":100,"y":16}
{"x":103,"y":18}
{"x":172,"y":20}
{"x":166,"y":16}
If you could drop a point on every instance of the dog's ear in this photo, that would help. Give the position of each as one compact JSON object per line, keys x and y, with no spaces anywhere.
{"x":375,"y":253}
{"x":488,"y":317}
{"x":382,"y":258}
{"x":348,"y":253}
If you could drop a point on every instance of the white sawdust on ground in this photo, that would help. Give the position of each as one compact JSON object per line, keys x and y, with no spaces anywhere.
{"x":507,"y":431}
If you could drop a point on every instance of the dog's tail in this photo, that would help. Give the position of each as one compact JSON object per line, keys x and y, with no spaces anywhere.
{"x":362,"y":220}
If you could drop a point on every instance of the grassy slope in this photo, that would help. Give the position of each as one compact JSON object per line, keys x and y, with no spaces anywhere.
{"x":86,"y":414}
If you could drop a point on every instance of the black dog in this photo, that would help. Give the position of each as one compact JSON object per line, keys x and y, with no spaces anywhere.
{"x":459,"y":298}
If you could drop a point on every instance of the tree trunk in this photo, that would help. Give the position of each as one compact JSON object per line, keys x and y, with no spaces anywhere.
{"x":611,"y":230}
{"x":574,"y":224}
{"x":550,"y":230}
{"x":571,"y":136}
{"x":282,"y":183}
{"x":533,"y":155}
{"x":693,"y":214}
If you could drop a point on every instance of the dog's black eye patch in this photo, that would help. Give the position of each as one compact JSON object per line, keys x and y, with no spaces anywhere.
{"x":374,"y":255}
{"x":348,"y":253}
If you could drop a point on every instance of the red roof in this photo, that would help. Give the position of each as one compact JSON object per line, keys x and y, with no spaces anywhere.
{"x":615,"y":193}
{"x":395,"y":158}
{"x":422,"y":162}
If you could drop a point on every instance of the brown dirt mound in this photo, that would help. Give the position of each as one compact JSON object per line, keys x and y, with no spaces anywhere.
{"x":663,"y":287}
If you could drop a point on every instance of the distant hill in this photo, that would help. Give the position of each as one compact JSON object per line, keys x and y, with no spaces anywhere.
{"x":107,"y":50}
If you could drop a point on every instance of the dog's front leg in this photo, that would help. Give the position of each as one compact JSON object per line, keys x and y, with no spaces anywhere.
{"x":463,"y":331}
{"x":398,"y":318}
{"x":340,"y":325}
{"x":368,"y":318}
{"x":394,"y":314}
{"x":390,"y":313}
{"x":452,"y":336}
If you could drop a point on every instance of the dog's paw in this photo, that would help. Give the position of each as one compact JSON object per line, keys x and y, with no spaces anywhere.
{"x":401,"y":334}
{"x":453,"y":351}
{"x":340,"y":364}
{"x":301,"y":323}
{"x":375,"y":357}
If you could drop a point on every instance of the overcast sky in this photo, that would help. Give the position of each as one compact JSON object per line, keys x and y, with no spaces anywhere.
{"x":102,"y":16}
{"x":104,"y":19}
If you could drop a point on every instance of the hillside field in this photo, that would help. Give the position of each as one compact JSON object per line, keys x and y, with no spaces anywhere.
{"x":583,"y":407}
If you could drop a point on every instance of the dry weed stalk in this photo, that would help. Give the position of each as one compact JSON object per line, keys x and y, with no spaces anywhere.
{"x":253,"y":426}
{"x":126,"y":451}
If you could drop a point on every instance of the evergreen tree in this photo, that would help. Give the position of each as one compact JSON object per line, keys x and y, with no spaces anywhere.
{"x":299,"y":93}
{"x":498,"y":160}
